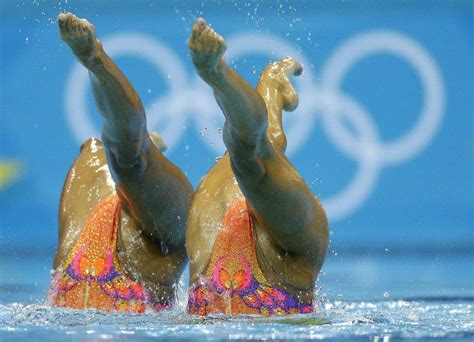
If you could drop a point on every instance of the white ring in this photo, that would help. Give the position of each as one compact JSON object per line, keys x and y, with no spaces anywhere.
{"x":170,"y":111}
{"x":431,"y":115}
{"x":363,"y":182}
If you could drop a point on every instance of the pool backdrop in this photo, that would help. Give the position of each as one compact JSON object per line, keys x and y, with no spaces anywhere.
{"x":383,"y":133}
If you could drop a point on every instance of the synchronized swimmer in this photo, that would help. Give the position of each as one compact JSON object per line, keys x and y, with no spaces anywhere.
{"x":254,"y":233}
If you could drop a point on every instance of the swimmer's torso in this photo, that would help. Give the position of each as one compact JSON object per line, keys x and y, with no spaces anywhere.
{"x":89,"y":194}
{"x":221,"y":258}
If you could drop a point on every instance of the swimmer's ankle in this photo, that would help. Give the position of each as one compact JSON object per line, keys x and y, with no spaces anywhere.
{"x":214,"y":74}
{"x":94,"y":59}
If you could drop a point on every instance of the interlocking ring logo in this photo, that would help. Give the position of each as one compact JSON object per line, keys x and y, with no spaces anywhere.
{"x":190,"y":99}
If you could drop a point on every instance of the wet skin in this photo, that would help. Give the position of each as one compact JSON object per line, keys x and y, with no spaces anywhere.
{"x":155,"y":194}
{"x":290,"y":225}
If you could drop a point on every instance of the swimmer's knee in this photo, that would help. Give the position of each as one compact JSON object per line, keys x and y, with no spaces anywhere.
{"x":91,"y":144}
{"x":245,"y":160}
{"x":158,"y":141}
{"x":290,"y":97}
{"x":281,"y":71}
{"x":127,"y":162}
{"x":125,"y":156}
{"x":244,"y":144}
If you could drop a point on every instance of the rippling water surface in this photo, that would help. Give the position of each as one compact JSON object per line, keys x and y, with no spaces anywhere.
{"x":362,"y":297}
{"x":355,"y":320}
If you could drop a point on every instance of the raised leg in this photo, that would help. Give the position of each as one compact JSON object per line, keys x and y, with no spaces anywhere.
{"x":275,"y":87}
{"x":284,"y":205}
{"x":243,"y":107}
{"x":155,"y":190}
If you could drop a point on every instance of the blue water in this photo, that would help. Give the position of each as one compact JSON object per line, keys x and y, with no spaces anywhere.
{"x":367,"y":295}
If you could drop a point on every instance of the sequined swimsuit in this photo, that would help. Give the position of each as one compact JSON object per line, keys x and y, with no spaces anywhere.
{"x":234,"y":282}
{"x":91,"y":276}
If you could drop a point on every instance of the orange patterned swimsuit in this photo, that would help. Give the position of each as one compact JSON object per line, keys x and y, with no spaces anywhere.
{"x":234,"y":283}
{"x":92,"y":276}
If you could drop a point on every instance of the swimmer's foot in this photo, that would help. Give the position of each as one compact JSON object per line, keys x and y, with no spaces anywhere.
{"x":207,"y":50}
{"x":79,"y":34}
{"x":288,"y":66}
{"x":278,"y":75}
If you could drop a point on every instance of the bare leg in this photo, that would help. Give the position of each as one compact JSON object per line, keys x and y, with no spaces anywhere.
{"x":155,"y":190}
{"x":275,"y":87}
{"x":243,"y":107}
{"x":296,"y":222}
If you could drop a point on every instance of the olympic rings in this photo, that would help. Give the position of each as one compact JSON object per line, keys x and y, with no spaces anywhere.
{"x":432,"y":112}
{"x":169,"y":113}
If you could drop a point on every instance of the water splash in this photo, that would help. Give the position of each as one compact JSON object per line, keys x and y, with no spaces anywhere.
{"x":397,"y":319}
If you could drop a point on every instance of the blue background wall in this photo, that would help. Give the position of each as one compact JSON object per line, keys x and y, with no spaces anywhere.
{"x":409,"y":64}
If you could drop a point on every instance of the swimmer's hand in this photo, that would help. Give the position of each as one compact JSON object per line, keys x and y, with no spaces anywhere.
{"x":207,"y":48}
{"x":79,"y":34}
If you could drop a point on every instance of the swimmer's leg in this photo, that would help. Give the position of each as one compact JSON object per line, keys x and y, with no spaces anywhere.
{"x":155,"y":190}
{"x":283,"y":203}
{"x":85,"y":186}
{"x":275,"y":88}
{"x":243,"y":107}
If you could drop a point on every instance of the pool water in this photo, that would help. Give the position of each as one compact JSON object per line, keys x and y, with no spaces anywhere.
{"x":366,"y":296}
{"x":382,"y":320}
